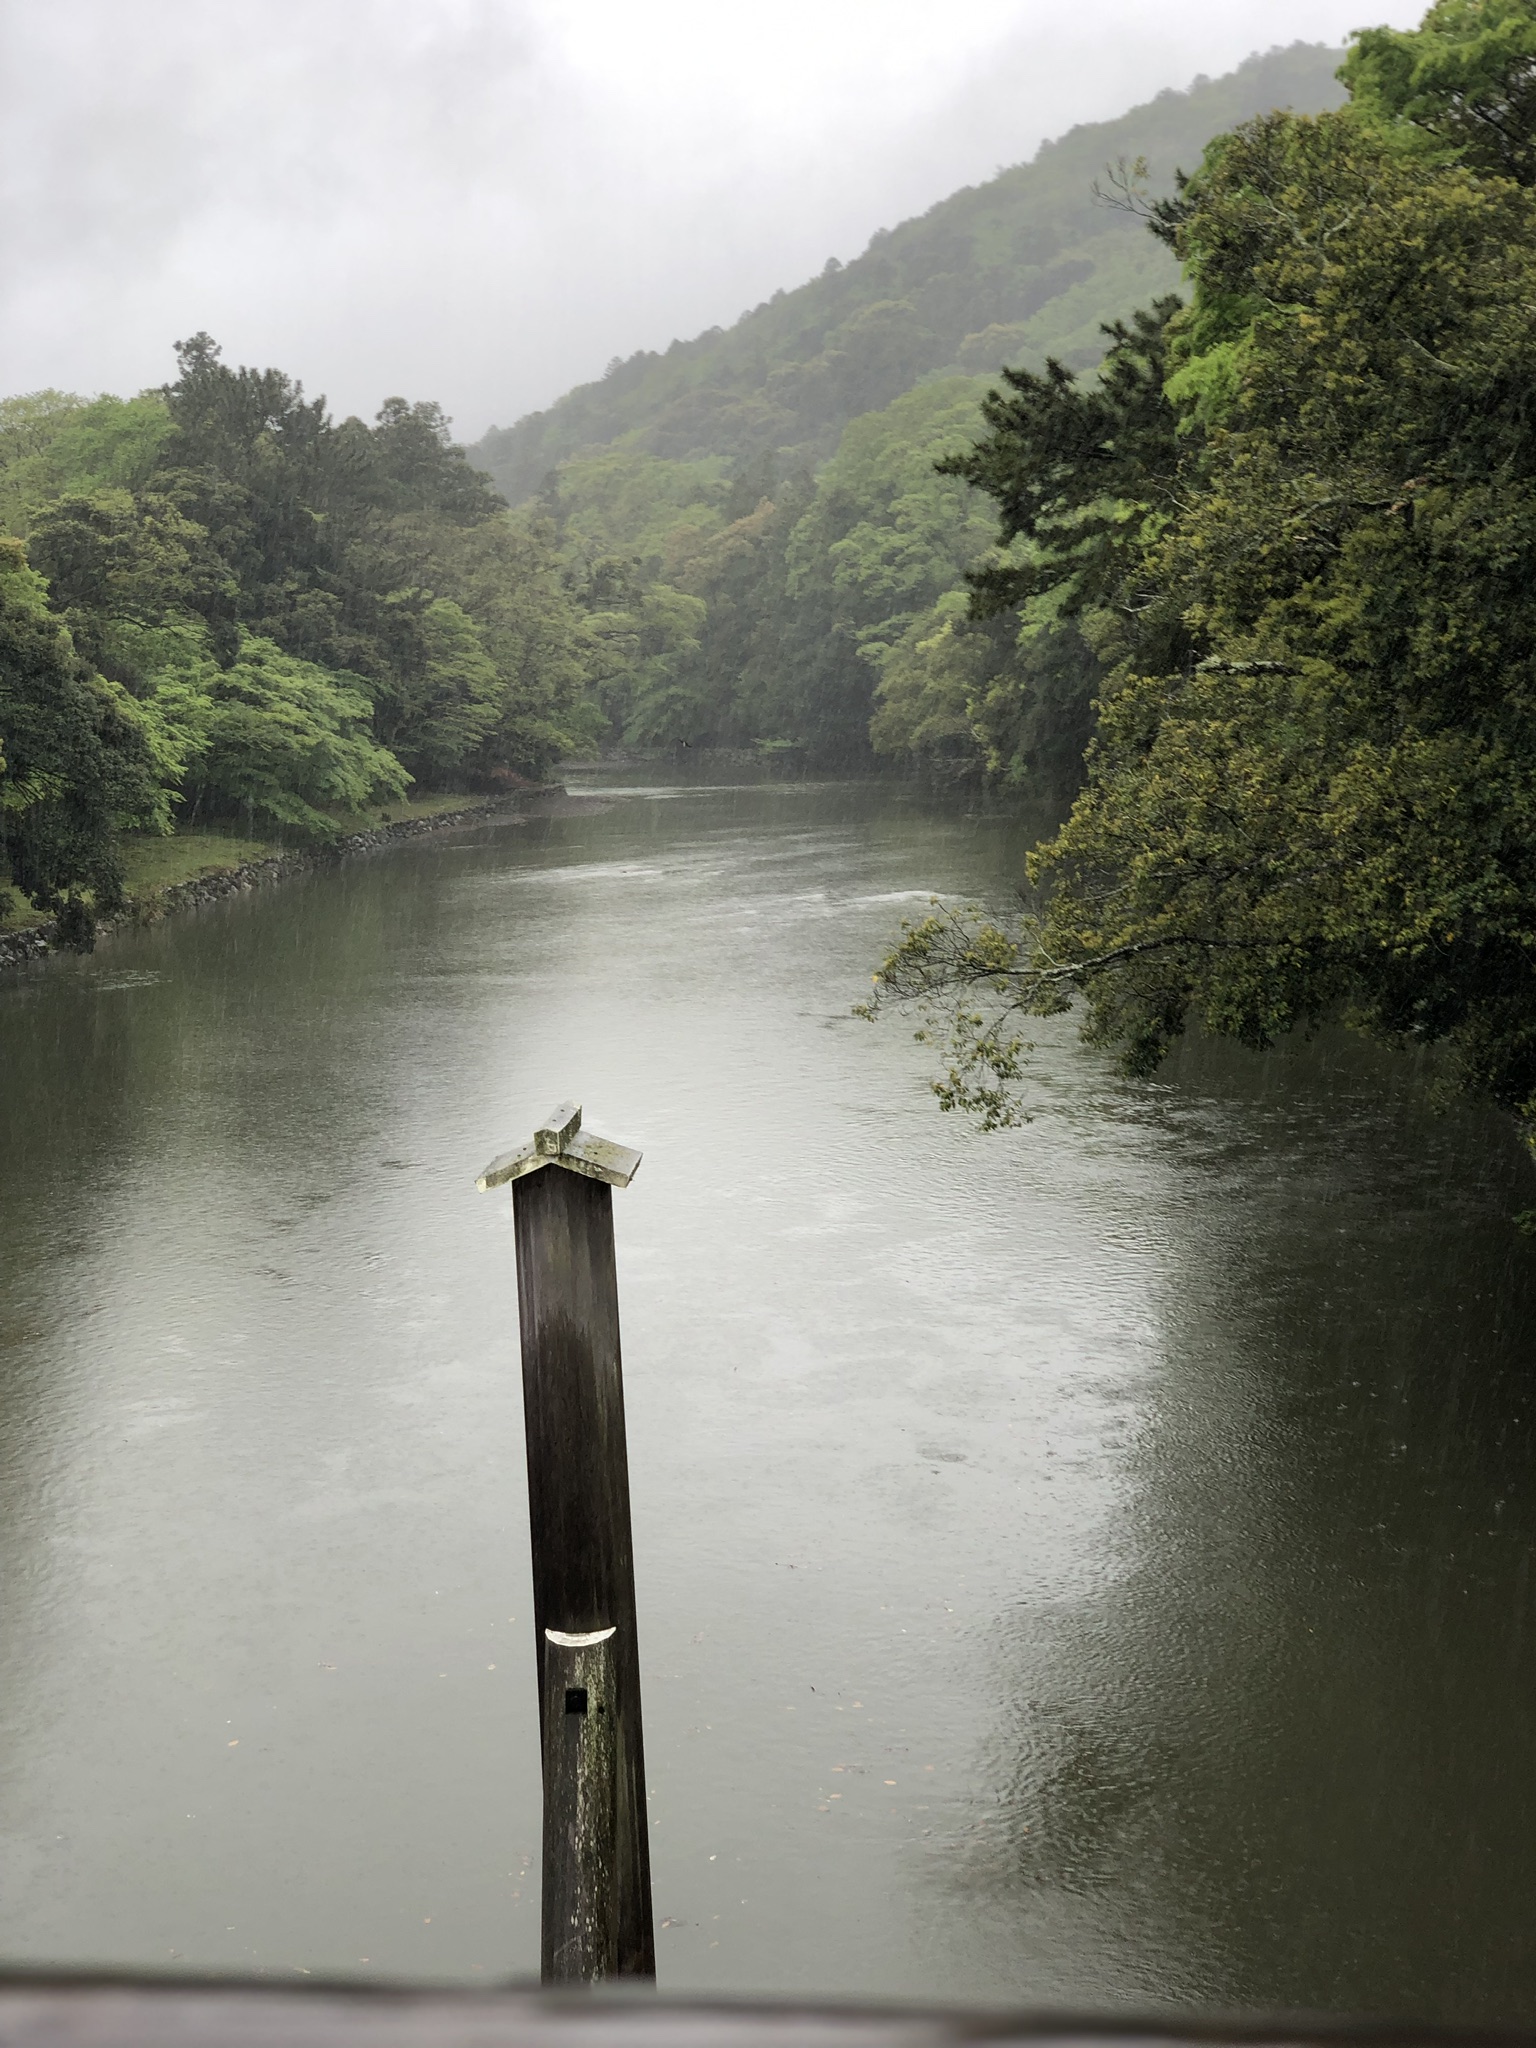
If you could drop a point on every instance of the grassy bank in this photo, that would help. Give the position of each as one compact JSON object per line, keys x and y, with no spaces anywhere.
{"x":152,"y":863}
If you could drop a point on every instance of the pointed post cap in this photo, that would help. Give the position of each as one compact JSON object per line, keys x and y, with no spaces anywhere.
{"x":560,"y":1141}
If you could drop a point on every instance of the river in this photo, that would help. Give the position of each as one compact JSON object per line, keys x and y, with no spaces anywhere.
{"x":1087,"y":1564}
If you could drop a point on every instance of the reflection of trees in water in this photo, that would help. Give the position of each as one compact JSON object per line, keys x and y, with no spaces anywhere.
{"x":1291,"y":1759}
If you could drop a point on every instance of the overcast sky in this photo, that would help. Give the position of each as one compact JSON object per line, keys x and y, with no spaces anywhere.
{"x":482,"y":201}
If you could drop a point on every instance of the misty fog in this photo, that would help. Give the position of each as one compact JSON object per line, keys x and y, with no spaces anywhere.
{"x":483,"y":201}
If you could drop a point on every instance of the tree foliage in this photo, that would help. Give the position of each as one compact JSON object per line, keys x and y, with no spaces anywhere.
{"x":1313,"y":785}
{"x":77,"y":763}
{"x":273,"y":737}
{"x":265,"y":612}
{"x":1465,"y":81}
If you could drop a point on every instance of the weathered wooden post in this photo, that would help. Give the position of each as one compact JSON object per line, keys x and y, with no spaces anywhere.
{"x":579,"y":1924}
{"x":596,"y":1919}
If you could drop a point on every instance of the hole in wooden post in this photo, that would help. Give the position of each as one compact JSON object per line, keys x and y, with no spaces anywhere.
{"x":575,"y":1699}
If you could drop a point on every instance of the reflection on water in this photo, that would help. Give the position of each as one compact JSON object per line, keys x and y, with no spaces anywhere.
{"x":1087,"y":1564}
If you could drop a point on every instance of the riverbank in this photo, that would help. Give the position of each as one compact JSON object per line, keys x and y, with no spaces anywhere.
{"x":258,"y":865}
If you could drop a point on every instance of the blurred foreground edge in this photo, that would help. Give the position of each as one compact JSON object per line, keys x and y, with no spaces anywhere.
{"x":42,"y":2011}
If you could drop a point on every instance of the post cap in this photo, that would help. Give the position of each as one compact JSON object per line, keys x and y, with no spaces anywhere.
{"x":560,"y":1141}
{"x":557,"y":1129}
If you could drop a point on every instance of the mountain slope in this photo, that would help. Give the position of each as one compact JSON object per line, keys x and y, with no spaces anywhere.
{"x":1027,"y":264}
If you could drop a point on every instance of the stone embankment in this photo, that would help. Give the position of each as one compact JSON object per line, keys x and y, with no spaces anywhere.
{"x":17,"y":948}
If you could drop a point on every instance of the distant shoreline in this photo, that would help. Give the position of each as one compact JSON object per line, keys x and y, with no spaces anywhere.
{"x":36,"y":942}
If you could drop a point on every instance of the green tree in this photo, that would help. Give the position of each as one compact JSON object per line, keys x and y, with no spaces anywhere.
{"x":644,"y":650}
{"x":274,"y":614}
{"x":885,"y":536}
{"x":273,"y":738}
{"x":76,"y":761}
{"x":741,"y":577}
{"x":53,"y":445}
{"x":441,"y":700}
{"x":508,"y":576}
{"x":966,"y":696}
{"x":114,"y":556}
{"x":1464,"y":81}
{"x":930,"y":681}
{"x":1313,"y":786}
{"x":621,"y":502}
{"x":417,"y":467}
{"x":1085,"y":475}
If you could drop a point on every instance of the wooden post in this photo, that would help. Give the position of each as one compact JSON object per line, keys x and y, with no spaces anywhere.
{"x":579,"y":1919}
{"x":583,"y":1562}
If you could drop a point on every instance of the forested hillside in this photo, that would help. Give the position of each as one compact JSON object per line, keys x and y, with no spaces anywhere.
{"x":754,"y":518}
{"x":1023,"y":266}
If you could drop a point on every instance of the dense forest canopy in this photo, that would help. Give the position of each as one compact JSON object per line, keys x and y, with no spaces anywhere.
{"x":1296,"y":521}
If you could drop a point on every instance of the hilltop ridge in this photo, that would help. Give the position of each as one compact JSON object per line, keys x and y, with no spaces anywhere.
{"x":1025,"y":264}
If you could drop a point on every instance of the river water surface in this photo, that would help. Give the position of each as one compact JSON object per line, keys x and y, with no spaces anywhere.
{"x":1088,"y":1564}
